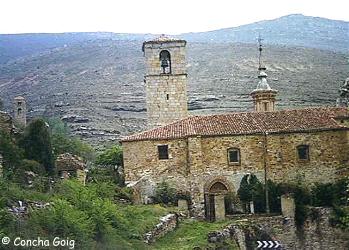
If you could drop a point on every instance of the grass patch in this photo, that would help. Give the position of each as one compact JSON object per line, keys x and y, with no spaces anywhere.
{"x":89,"y":214}
{"x":189,"y":234}
{"x":142,"y":218}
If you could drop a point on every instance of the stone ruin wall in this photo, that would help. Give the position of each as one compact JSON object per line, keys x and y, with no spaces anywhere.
{"x":6,"y":122}
{"x":317,"y":233}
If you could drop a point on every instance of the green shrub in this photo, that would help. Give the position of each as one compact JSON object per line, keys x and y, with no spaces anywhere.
{"x":63,"y":142}
{"x":36,"y":143}
{"x":12,"y":154}
{"x":105,"y":174}
{"x":274,"y":197}
{"x":123,"y":193}
{"x":7,"y":223}
{"x":34,"y":166}
{"x":231,"y":201}
{"x":164,"y":193}
{"x":340,"y":217}
{"x":111,"y":157}
{"x":63,"y":220}
{"x":330,"y":194}
{"x":251,"y":189}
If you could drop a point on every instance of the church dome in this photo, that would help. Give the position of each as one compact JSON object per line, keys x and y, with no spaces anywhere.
{"x":263,"y":85}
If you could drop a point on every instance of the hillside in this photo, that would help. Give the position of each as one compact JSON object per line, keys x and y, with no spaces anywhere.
{"x":291,"y":30}
{"x":98,"y":85}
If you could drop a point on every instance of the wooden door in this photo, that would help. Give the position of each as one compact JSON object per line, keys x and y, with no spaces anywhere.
{"x":209,"y":207}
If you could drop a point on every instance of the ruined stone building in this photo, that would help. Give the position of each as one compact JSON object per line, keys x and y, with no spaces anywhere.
{"x":207,"y":156}
{"x":20,"y":110}
{"x":7,"y":122}
{"x":69,"y":166}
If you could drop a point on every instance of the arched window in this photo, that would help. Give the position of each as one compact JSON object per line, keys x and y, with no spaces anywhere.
{"x":165,"y":62}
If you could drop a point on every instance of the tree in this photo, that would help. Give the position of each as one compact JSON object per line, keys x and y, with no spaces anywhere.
{"x":251,"y":189}
{"x":244,"y":190}
{"x":111,"y":157}
{"x":63,"y":142}
{"x":36,"y":142}
{"x":12,"y":154}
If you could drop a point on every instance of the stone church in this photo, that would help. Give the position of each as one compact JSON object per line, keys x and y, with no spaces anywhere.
{"x":207,"y":156}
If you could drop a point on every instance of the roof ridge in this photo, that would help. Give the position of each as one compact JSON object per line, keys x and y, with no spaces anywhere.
{"x":275,"y":111}
{"x":234,"y":123}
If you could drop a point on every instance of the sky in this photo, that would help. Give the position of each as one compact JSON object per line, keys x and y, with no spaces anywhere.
{"x":153,"y":16}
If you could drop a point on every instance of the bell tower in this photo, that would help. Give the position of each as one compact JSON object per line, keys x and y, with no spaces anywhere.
{"x":263,"y":96}
{"x":20,"y":110}
{"x":165,"y":80}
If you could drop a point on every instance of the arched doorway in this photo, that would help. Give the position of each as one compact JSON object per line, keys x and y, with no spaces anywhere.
{"x":214,"y":200}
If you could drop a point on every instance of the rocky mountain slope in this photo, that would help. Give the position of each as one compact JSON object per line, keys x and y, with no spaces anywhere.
{"x":97,"y":86}
{"x":291,"y":30}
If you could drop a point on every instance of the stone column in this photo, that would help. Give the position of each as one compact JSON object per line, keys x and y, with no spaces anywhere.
{"x":81,"y":176}
{"x":219,"y":207}
{"x":251,"y":207}
{"x":194,"y":170}
{"x":288,"y":207}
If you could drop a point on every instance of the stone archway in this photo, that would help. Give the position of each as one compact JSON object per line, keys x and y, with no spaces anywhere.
{"x":215,"y":191}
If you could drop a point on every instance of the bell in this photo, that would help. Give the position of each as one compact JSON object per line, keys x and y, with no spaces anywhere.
{"x":164,"y":63}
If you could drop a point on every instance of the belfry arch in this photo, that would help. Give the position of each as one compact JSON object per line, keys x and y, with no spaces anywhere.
{"x":165,"y":61}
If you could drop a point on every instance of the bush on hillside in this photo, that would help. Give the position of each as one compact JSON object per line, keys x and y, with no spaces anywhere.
{"x":165,"y":194}
{"x":36,"y":143}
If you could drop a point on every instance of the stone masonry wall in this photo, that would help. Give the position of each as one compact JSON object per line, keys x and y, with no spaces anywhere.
{"x":167,"y":224}
{"x":166,"y":99}
{"x":328,"y":151}
{"x":166,"y":94}
{"x":141,"y":159}
{"x":177,"y":51}
{"x":317,"y":234}
{"x":206,"y":161}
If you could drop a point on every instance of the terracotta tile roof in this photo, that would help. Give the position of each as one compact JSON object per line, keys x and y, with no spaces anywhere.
{"x":285,"y":121}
